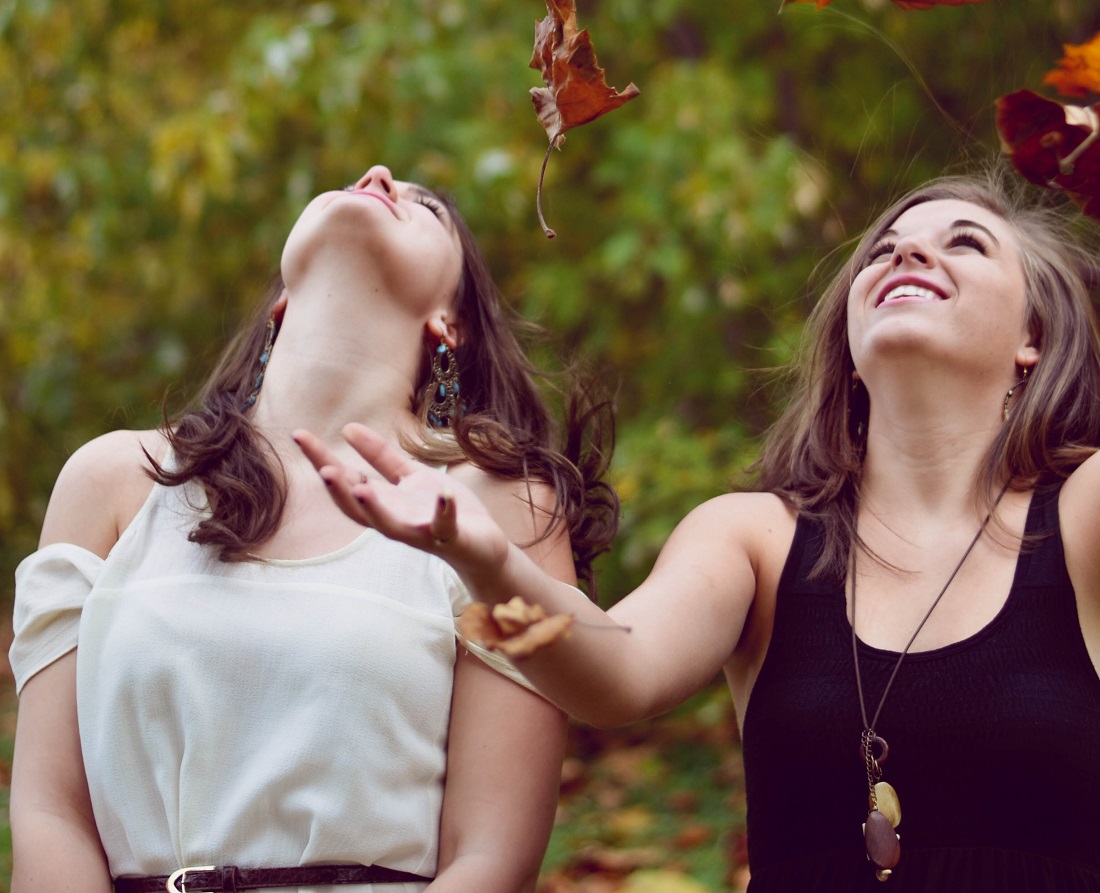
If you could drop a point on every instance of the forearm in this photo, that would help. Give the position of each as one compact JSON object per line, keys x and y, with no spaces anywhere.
{"x":51,"y":855}
{"x":592,"y":673}
{"x":483,"y":873}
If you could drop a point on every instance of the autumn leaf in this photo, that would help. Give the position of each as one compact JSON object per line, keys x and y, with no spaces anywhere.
{"x":515,"y":628}
{"x":904,"y":4}
{"x":1078,"y":71}
{"x":1053,"y":145}
{"x":576,"y":91}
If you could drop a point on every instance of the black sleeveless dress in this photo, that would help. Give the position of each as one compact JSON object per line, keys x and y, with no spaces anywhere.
{"x":994,"y":742}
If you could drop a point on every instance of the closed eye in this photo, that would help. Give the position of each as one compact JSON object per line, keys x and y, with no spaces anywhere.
{"x":968,"y":240}
{"x":431,"y":204}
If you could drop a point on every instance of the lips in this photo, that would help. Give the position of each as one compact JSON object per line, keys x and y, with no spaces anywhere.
{"x":378,"y":196}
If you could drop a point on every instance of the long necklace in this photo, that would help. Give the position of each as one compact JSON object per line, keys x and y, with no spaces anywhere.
{"x":884,"y":814}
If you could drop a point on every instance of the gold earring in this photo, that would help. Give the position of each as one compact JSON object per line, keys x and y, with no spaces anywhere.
{"x":1012,"y":390}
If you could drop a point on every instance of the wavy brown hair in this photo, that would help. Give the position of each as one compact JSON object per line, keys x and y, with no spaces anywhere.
{"x":506,"y":428}
{"x":813,"y":456}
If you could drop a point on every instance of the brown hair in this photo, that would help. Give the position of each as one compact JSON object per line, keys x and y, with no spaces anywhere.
{"x":506,"y":428}
{"x":813,"y":455}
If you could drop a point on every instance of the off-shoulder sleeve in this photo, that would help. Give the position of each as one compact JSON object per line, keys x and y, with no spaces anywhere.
{"x":50,"y":588}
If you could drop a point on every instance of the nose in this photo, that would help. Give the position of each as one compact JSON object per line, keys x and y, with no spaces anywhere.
{"x":380,"y":178}
{"x":913,"y":250}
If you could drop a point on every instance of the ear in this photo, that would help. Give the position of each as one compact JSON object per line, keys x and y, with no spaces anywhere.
{"x":443,"y":326}
{"x":279,"y":308}
{"x":1027,"y":356}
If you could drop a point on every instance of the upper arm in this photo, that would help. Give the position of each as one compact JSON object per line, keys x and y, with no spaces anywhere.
{"x":506,"y":743}
{"x":55,"y":843}
{"x":504,"y":755}
{"x":688,"y":616}
{"x":1079,"y":519}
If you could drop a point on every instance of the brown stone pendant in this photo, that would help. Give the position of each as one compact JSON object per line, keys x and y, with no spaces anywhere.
{"x":883,"y":843}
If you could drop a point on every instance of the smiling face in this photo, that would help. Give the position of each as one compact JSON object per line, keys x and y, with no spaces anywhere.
{"x":944,"y":281}
{"x":383,"y":230}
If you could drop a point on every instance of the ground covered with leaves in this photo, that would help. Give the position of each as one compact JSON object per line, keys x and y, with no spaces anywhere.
{"x":654,"y":808}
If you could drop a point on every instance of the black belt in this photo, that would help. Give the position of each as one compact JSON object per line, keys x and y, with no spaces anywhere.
{"x":229,"y":878}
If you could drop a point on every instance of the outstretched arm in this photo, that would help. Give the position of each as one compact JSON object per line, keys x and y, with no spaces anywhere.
{"x":653,"y":649}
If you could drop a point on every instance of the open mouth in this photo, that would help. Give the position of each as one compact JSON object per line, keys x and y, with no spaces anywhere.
{"x":908,"y":293}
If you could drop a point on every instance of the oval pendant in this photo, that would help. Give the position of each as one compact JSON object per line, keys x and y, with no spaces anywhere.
{"x":883,"y":844}
{"x":888,"y":804}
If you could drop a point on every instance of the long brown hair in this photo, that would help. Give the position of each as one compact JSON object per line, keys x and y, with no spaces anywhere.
{"x":506,"y":427}
{"x":813,"y":455}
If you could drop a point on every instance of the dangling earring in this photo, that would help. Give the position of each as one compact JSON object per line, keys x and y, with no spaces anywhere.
{"x":1012,"y":390}
{"x":265,"y":355}
{"x":445,"y":406}
{"x":860,"y":428}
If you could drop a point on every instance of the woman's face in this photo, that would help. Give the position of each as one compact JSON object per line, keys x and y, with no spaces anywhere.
{"x":401,"y":230}
{"x":945,"y":280}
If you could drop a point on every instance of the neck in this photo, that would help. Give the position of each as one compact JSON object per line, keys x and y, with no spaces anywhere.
{"x":338,"y":361}
{"x":927,"y":439}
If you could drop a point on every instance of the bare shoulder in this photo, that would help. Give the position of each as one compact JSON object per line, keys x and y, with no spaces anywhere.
{"x":1079,"y":514}
{"x":523,"y":509}
{"x":100,"y":489}
{"x":759,"y":524}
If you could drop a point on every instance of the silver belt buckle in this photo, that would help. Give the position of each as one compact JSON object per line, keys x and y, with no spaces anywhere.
{"x":181,"y":876}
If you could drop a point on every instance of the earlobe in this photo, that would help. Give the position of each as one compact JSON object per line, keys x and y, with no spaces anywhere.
{"x":279,"y":307}
{"x":1027,"y":356}
{"x":439,"y":328}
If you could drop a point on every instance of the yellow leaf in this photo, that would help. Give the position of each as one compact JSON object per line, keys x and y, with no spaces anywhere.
{"x":661,"y":881}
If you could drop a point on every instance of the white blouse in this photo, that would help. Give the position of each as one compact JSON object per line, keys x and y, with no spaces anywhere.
{"x":261,"y":714}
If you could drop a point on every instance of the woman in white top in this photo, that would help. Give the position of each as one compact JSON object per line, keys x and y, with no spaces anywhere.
{"x":217,"y":668}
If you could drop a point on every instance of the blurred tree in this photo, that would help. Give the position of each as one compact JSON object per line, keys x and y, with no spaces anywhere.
{"x":155,"y":154}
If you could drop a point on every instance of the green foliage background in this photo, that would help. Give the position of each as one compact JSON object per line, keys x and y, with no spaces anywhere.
{"x":154,"y":155}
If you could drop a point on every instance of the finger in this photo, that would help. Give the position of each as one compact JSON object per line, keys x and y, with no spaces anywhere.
{"x":343,"y":493}
{"x":390,"y":463}
{"x":314,"y":449}
{"x":444,"y":525}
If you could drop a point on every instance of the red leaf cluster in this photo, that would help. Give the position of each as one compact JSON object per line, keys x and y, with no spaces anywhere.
{"x":1053,"y":145}
{"x":904,"y":4}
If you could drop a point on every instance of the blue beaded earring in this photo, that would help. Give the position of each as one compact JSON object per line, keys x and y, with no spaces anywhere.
{"x":265,"y":355}
{"x":445,"y":405}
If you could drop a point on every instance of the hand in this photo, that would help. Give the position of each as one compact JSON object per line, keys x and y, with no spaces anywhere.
{"x":412,"y":503}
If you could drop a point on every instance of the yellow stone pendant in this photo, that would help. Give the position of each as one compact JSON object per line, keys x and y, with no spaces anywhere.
{"x":888,"y":804}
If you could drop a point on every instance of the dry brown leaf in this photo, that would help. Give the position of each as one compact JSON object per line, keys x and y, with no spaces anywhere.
{"x":576,"y":91}
{"x":515,"y":628}
{"x":1078,"y":71}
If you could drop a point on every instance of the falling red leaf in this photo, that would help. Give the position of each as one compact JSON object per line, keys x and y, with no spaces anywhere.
{"x":576,"y":91}
{"x":1053,"y":145}
{"x":1078,"y":71}
{"x":904,"y":4}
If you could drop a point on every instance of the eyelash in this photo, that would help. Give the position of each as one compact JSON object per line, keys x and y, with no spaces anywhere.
{"x":962,"y":237}
{"x":431,"y":204}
